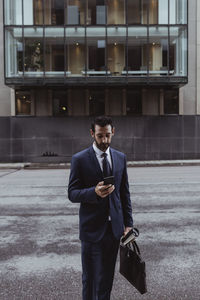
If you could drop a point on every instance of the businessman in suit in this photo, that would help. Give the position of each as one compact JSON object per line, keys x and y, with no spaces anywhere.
{"x":105,"y":210}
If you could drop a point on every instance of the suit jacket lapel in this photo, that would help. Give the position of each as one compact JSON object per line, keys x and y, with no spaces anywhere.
{"x":95,"y":162}
{"x":114,"y":160}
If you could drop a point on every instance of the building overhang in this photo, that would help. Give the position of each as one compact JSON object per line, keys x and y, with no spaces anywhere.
{"x":166,"y":81}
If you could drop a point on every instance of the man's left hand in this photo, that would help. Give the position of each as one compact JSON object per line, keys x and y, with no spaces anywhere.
{"x":127,"y":229}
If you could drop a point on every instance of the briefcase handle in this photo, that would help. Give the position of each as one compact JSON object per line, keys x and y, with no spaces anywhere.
{"x":135,"y":232}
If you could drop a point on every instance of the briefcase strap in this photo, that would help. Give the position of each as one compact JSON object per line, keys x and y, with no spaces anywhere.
{"x":134,"y":247}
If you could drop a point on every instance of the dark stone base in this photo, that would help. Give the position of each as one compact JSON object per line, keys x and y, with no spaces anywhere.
{"x":27,"y":139}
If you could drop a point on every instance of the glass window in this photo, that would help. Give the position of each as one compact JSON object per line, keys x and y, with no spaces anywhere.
{"x":158,"y":51}
{"x":38,"y":12}
{"x":115,"y":103}
{"x":14,"y":52}
{"x":96,"y":12}
{"x":33,"y":56}
{"x":137,"y":51}
{"x":23,"y":102}
{"x":178,"y":51}
{"x":158,"y":11}
{"x":116,"y":49}
{"x":54,"y":12}
{"x":60,"y":103}
{"x":116,"y":12}
{"x":13,"y":12}
{"x":54,"y":52}
{"x":96,"y":45}
{"x":171,"y":102}
{"x":28,"y":12}
{"x":137,"y":11}
{"x":75,"y":12}
{"x":96,"y":102}
{"x":178,"y":11}
{"x":133,"y":102}
{"x":75,"y":51}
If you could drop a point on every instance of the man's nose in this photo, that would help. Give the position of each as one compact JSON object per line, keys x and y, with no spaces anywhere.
{"x":104,"y":140}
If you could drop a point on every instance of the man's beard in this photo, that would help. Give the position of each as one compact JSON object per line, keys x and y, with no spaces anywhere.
{"x":102,"y":146}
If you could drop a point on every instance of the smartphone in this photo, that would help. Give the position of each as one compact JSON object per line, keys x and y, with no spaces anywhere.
{"x":108,"y":180}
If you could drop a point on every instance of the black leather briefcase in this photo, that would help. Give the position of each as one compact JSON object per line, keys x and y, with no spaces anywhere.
{"x":132,"y":267}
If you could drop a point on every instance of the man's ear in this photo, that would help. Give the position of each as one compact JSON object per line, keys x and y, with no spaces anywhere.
{"x":92,"y":132}
{"x":113,"y":131}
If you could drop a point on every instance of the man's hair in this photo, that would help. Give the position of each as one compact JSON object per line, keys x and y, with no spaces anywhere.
{"x":102,"y":121}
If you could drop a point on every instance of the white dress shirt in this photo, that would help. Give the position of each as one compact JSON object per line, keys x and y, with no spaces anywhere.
{"x":99,"y":153}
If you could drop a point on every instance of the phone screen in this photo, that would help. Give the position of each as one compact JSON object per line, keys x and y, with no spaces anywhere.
{"x":108,"y":180}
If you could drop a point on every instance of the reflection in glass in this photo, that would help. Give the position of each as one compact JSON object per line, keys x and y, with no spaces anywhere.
{"x":137,"y":11}
{"x":75,"y":51}
{"x":96,"y":43}
{"x":54,"y":51}
{"x":158,"y":51}
{"x":13,"y":12}
{"x":158,"y":11}
{"x":171,"y":102}
{"x":60,"y":103}
{"x":96,"y":102}
{"x":178,"y":51}
{"x":75,"y":12}
{"x":116,"y":49}
{"x":54,"y":12}
{"x":33,"y":56}
{"x":38,"y":12}
{"x":116,"y":12}
{"x":14,"y":52}
{"x":178,"y":11}
{"x":96,"y":12}
{"x":133,"y":102}
{"x":137,"y":51}
{"x":115,"y":102}
{"x":23,"y":102}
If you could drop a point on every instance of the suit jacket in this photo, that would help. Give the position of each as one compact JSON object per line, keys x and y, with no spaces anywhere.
{"x":84,"y":176}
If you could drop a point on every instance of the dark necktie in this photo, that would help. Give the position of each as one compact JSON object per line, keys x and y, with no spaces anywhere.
{"x":106,"y":166}
{"x":106,"y":172}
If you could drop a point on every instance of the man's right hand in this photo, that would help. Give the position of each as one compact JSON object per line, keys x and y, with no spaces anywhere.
{"x":104,"y":190}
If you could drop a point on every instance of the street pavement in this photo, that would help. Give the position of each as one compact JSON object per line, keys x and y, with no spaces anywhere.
{"x":40,"y":249}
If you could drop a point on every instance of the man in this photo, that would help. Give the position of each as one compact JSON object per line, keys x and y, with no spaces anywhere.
{"x":105,"y":210}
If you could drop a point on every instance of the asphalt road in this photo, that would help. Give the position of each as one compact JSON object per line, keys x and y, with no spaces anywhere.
{"x":40,"y":250}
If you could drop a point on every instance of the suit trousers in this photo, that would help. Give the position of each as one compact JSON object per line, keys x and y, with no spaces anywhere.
{"x":98,"y":266}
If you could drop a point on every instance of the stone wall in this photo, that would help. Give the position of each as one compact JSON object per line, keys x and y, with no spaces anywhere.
{"x":49,"y":139}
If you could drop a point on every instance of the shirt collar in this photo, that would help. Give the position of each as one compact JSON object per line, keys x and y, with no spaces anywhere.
{"x":98,"y":151}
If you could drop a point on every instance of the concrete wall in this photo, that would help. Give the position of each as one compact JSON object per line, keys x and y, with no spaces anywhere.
{"x":188,"y":92}
{"x":5,"y":92}
{"x":141,"y":138}
{"x":198,"y":57}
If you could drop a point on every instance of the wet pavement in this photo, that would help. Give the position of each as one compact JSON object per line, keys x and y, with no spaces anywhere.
{"x":40,"y":250}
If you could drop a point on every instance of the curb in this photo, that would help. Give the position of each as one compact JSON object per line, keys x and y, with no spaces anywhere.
{"x":150,"y":163}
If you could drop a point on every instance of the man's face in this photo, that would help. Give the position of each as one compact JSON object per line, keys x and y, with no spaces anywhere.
{"x":102,"y":136}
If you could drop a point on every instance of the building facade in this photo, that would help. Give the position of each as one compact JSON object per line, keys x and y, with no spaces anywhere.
{"x":81,"y":58}
{"x":119,"y":57}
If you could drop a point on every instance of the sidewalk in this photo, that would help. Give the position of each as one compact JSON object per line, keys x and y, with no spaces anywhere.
{"x":148,"y":163}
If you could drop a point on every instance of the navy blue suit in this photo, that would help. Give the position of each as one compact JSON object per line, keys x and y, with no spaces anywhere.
{"x":96,"y":232}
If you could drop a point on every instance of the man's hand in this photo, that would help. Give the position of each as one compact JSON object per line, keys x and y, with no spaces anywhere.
{"x":104,"y":190}
{"x":127,"y":229}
